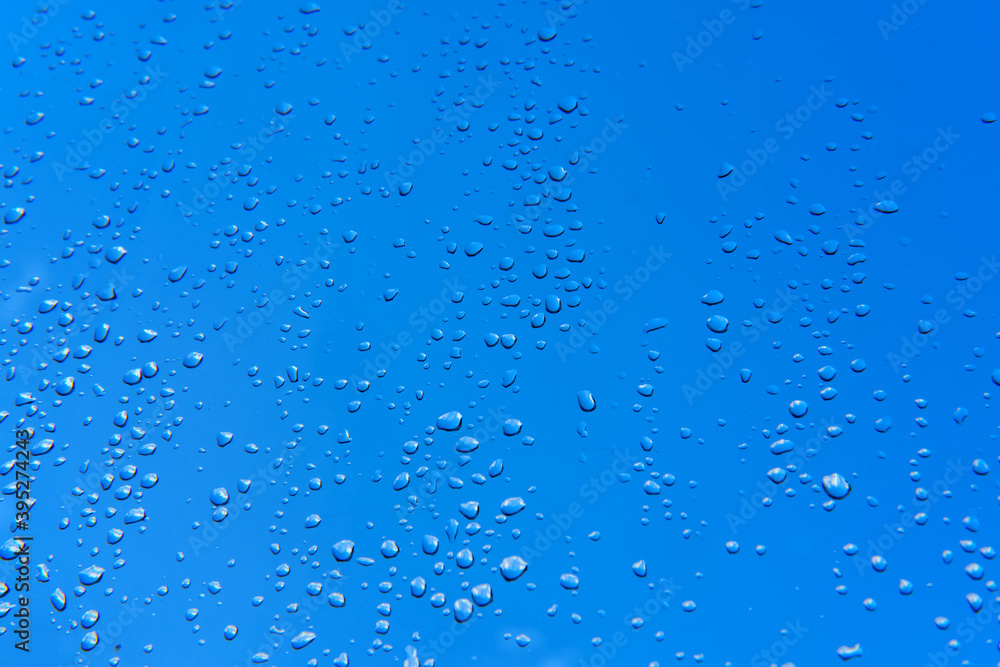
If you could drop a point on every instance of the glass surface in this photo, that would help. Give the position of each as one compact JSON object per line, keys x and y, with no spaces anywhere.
{"x":443,"y":333}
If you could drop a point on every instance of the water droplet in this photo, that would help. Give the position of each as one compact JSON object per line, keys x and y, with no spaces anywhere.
{"x":91,"y":575}
{"x":219,"y":496}
{"x":89,"y":641}
{"x":466,"y":444}
{"x":343,"y":550}
{"x":58,"y":599}
{"x":848,"y":652}
{"x":512,"y":567}
{"x":450,"y":421}
{"x":303,"y":639}
{"x":718,"y":324}
{"x":13,"y":215}
{"x":512,"y":506}
{"x":192,"y":360}
{"x":713,"y":298}
{"x":482,"y":595}
{"x":463,"y":609}
{"x":836,"y":486}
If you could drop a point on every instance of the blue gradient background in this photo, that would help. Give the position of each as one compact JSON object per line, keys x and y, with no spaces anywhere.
{"x":650,"y":187}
